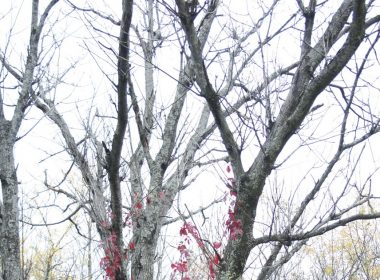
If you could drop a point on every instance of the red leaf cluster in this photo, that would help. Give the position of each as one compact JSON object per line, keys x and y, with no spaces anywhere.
{"x":234,"y":226}
{"x":189,"y":229}
{"x":217,"y":245}
{"x":190,"y":232}
{"x":228,"y":169}
{"x":111,"y":262}
{"x":180,"y":267}
{"x":131,"y":245}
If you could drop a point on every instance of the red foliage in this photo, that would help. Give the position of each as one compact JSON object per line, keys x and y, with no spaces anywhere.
{"x":180,"y":266}
{"x":131,"y":245}
{"x":111,"y":262}
{"x":234,"y":225}
{"x":183,"y":251}
{"x":228,"y":169}
{"x":183,"y":231}
{"x":212,"y":266}
{"x":211,"y":270}
{"x":138,"y":205}
{"x":127,"y":220}
{"x":190,"y":232}
{"x":189,"y":229}
{"x":216,"y":260}
{"x":217,"y":245}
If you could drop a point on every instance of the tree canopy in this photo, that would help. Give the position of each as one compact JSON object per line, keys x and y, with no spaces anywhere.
{"x":184,"y":139}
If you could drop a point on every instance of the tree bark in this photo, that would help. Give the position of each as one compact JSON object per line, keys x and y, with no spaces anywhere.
{"x":10,"y":243}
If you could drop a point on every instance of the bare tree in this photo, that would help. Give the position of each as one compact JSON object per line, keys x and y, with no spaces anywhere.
{"x":311,"y":77}
{"x":261,"y":100}
{"x":148,"y":205}
{"x":19,"y":98}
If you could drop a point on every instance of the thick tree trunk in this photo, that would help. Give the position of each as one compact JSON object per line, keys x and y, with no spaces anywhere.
{"x":9,"y":234}
{"x":145,"y":238}
{"x":143,"y":259}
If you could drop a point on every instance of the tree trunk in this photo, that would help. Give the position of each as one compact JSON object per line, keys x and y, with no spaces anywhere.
{"x":10,"y":244}
{"x":143,"y":260}
{"x":145,"y":238}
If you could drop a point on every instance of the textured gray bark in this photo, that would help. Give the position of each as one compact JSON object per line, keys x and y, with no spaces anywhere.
{"x":9,"y":231}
